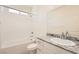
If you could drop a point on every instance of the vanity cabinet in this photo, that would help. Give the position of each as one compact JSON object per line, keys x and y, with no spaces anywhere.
{"x":46,"y":48}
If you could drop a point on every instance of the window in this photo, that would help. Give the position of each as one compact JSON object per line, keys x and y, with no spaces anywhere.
{"x":22,"y":13}
{"x":13,"y":11}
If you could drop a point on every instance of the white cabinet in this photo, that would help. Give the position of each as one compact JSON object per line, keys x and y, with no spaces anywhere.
{"x":46,"y":48}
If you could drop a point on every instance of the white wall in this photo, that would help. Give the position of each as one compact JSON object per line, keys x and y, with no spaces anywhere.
{"x":15,"y":29}
{"x":39,"y":22}
{"x":39,"y":19}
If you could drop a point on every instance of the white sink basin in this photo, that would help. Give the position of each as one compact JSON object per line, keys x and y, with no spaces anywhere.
{"x":63,"y":42}
{"x":32,"y":46}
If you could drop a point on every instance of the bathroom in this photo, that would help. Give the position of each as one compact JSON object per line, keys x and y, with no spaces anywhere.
{"x":39,"y":29}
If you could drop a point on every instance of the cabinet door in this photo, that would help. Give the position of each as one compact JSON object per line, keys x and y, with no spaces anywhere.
{"x":46,"y":48}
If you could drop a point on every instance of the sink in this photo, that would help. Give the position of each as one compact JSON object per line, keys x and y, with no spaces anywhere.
{"x":32,"y":46}
{"x":63,"y":42}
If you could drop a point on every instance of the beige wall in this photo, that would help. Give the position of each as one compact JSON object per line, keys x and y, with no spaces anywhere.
{"x":64,"y":19}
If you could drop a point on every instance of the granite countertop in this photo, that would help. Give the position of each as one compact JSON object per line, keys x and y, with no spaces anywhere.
{"x":74,"y":49}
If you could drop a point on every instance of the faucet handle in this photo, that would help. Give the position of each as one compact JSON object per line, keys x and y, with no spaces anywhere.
{"x":62,"y":35}
{"x":67,"y":34}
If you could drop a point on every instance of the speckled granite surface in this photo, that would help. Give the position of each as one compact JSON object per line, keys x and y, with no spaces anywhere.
{"x":75,"y":49}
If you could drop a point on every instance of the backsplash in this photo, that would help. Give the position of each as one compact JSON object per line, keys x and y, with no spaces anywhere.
{"x":59,"y":36}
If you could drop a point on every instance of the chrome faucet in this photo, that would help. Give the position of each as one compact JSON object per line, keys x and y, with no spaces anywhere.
{"x":64,"y":35}
{"x":67,"y":35}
